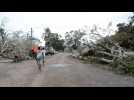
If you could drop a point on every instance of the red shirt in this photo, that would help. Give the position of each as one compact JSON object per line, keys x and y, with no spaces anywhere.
{"x":34,"y":50}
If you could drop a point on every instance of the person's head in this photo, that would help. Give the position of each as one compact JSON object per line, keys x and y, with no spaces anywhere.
{"x":43,"y":48}
{"x":39,"y":48}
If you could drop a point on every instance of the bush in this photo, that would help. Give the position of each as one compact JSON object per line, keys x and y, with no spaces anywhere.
{"x":130,"y":68}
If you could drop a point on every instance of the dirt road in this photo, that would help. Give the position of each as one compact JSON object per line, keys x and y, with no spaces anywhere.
{"x":60,"y":70}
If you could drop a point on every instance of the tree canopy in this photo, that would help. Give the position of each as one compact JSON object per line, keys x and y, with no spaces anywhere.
{"x":125,"y":34}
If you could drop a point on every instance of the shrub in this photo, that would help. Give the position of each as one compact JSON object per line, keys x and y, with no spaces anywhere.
{"x":130,"y":68}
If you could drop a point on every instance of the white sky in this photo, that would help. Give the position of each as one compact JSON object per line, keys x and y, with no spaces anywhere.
{"x":60,"y":22}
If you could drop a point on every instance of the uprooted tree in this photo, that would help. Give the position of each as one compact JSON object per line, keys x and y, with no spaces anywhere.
{"x":102,"y":48}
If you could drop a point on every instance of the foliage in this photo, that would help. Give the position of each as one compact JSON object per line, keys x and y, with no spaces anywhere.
{"x":53,"y":40}
{"x":125,"y":34}
{"x":15,"y":43}
{"x":130,"y":68}
{"x":56,"y":42}
{"x":73,"y":38}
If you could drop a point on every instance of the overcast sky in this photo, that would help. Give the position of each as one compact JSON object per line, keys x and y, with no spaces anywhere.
{"x":60,"y":22}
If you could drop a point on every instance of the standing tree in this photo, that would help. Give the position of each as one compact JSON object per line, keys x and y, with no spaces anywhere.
{"x":53,"y":40}
{"x":73,"y":38}
{"x":125,"y":34}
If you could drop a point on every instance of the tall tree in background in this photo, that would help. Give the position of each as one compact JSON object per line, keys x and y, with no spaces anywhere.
{"x":56,"y":42}
{"x":73,"y":38}
{"x":53,"y":40}
{"x":125,"y":34}
{"x":47,"y":36}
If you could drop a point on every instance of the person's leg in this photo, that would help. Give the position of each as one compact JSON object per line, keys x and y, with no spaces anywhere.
{"x":37,"y":61}
{"x":35,"y":57}
{"x":39,"y":64}
{"x":43,"y":59}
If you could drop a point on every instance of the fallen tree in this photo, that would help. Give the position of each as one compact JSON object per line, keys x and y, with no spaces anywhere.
{"x":103,"y":49}
{"x":15,"y":44}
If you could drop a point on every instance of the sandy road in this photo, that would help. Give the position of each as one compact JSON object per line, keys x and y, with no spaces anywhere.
{"x":60,"y":70}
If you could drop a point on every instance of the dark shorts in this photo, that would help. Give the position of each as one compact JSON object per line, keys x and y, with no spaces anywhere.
{"x":34,"y":55}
